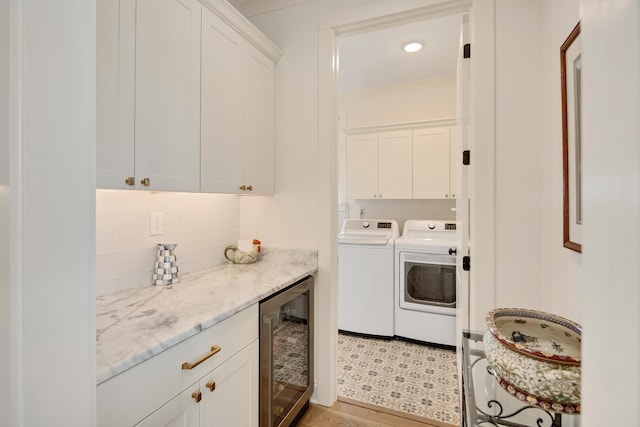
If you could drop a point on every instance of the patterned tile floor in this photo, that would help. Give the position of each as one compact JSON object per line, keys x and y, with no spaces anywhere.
{"x":416,"y":379}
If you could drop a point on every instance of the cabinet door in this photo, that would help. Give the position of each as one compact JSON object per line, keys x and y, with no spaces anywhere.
{"x":431,"y":163}
{"x":258,"y":121}
{"x":394,"y":165}
{"x":362,"y":166}
{"x":230,"y":392}
{"x":455,"y":161}
{"x":115,"y":47}
{"x":181,"y":411}
{"x":167,"y":94}
{"x":221,"y":125}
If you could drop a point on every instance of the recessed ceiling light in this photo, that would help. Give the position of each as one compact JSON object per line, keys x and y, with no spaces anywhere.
{"x":412,"y":47}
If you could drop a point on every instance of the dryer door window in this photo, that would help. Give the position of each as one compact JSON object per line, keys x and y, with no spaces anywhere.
{"x":430,"y":284}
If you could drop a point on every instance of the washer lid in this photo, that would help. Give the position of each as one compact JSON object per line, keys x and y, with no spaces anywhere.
{"x":368,"y":232}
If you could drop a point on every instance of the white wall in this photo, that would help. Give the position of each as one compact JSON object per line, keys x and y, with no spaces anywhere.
{"x":518,"y":151}
{"x":409,"y":102}
{"x":561,"y":267}
{"x":290,"y":218}
{"x":532,"y":268}
{"x":202,"y":225}
{"x":610,"y":280}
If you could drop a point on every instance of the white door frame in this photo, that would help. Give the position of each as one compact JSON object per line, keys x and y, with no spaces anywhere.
{"x":331,"y":28}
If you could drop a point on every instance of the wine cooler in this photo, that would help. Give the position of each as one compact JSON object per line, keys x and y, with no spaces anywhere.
{"x":286,"y":354}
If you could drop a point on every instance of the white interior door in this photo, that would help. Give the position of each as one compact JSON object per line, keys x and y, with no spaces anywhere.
{"x":463,"y":205}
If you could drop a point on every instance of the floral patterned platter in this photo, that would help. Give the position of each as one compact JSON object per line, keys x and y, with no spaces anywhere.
{"x":536,"y":357}
{"x":537,"y":334}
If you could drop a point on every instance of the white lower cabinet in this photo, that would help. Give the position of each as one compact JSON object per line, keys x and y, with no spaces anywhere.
{"x":227,"y":396}
{"x":219,"y":389}
{"x":230,"y":392}
{"x":181,"y":411}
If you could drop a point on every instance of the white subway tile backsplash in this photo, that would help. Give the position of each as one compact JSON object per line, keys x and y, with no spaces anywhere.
{"x":201,"y":224}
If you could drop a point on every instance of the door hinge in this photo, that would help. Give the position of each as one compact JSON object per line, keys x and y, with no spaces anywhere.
{"x":466,"y":52}
{"x":466,"y":263}
{"x":466,"y":157}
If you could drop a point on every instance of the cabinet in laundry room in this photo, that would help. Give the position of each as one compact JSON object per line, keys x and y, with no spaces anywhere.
{"x":379,"y":165}
{"x":433,"y":164}
{"x":237,"y":128}
{"x":417,"y":163}
{"x":148,"y":94}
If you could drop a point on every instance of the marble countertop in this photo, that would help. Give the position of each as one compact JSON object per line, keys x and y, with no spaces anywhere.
{"x":136,"y":324}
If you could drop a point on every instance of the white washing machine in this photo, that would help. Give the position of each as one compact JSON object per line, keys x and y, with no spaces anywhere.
{"x":425,"y":300}
{"x":366,"y":276}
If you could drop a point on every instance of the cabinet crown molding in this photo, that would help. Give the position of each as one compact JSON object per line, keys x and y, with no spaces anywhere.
{"x":237,"y":21}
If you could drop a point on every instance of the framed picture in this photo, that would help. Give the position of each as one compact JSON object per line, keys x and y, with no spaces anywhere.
{"x":571,"y":77}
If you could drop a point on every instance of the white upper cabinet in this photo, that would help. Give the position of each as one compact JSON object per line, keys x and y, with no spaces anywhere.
{"x":258,"y":121}
{"x":394,"y":165}
{"x":148,"y":94}
{"x":455,"y":160}
{"x":379,"y":165}
{"x":185,"y":98}
{"x":431,"y":163}
{"x":401,"y":164}
{"x":237,"y":146}
{"x":114,"y":93}
{"x":167,"y":91}
{"x":221,"y":143}
{"x":362,"y":166}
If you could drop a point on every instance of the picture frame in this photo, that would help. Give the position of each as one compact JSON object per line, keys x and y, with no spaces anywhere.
{"x":571,"y":79}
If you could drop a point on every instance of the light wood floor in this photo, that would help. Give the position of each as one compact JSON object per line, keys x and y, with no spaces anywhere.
{"x":347,"y":414}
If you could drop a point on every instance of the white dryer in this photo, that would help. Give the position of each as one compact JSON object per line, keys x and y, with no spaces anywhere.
{"x":366,"y":276}
{"x":425,"y":301}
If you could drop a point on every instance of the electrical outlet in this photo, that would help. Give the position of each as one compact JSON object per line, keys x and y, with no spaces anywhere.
{"x":156,"y":223}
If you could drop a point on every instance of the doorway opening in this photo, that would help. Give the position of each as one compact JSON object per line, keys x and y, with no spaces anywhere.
{"x":385,"y":92}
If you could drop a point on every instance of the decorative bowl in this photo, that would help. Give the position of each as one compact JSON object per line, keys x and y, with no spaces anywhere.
{"x":536,"y":357}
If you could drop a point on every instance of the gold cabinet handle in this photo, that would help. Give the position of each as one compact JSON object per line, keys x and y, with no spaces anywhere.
{"x":243,"y":188}
{"x":146,"y":182}
{"x":197,"y":396}
{"x":214,"y":350}
{"x":130,"y":181}
{"x":250,"y":188}
{"x":211,"y":385}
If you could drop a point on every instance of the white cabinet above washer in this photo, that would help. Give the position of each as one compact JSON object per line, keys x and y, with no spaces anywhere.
{"x":414,"y":163}
{"x":379,"y":165}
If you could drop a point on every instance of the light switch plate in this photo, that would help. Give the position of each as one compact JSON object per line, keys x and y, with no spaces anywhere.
{"x":156,"y":223}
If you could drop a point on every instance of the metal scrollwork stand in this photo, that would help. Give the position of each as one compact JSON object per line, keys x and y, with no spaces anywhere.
{"x":494,"y":414}
{"x":500,"y":418}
